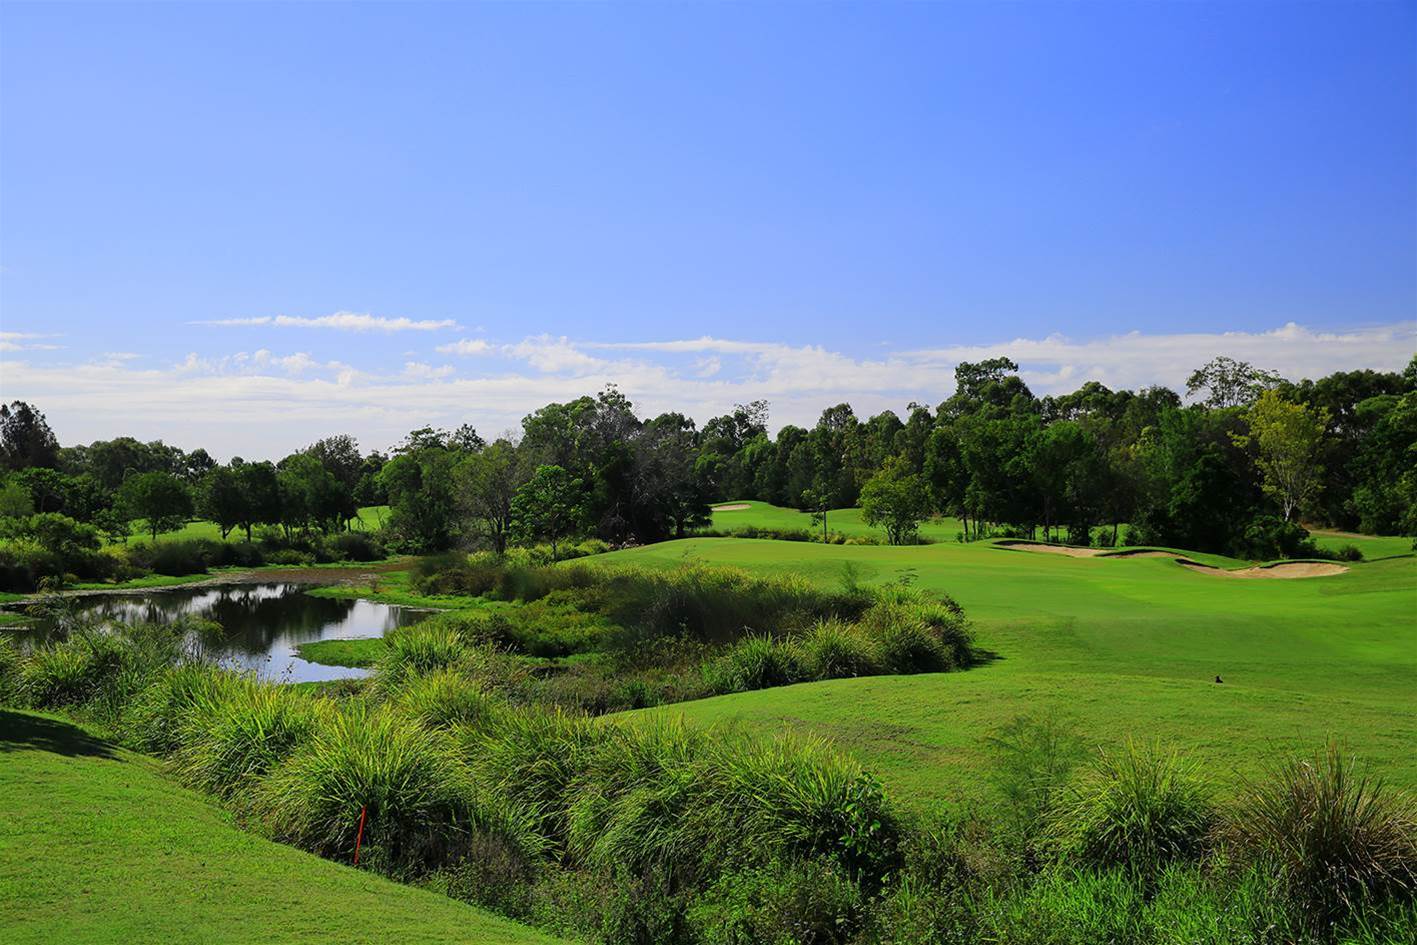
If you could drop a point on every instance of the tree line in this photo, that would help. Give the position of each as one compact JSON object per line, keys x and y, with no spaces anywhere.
{"x":1234,"y":471}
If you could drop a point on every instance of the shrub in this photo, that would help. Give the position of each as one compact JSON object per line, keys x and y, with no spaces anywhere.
{"x":416,"y":794}
{"x":755,"y":662}
{"x":243,"y":733}
{"x":288,"y":557}
{"x":1349,"y":553}
{"x":72,"y":672}
{"x":9,"y":671}
{"x":809,"y":901}
{"x":1139,"y":807}
{"x":416,"y":651}
{"x":446,"y":698}
{"x":1066,"y":906}
{"x":1269,"y":536}
{"x":1033,"y":757}
{"x":1338,"y":835}
{"x":159,"y":715}
{"x":354,"y":546}
{"x":833,"y":649}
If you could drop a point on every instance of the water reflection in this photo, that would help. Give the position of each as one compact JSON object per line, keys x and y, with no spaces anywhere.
{"x":262,"y":623}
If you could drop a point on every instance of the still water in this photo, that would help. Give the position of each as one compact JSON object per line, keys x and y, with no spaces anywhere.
{"x":263,"y":623}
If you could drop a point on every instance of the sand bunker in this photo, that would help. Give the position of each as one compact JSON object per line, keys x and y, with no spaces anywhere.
{"x":1288,"y":569}
{"x":735,"y":507}
{"x":1292,"y":569}
{"x":1053,"y":549}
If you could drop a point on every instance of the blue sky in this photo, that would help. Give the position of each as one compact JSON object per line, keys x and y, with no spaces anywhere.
{"x":245,"y":226}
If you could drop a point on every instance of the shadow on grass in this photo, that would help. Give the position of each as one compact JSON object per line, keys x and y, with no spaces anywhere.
{"x":19,"y":732}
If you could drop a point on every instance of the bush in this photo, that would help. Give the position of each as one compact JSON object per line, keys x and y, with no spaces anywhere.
{"x":833,"y":649}
{"x":446,"y":698}
{"x":158,"y":717}
{"x":417,"y":796}
{"x":755,"y":662}
{"x":1338,"y":835}
{"x":1269,"y":536}
{"x":1033,"y":758}
{"x":1138,"y":807}
{"x":1349,"y":553}
{"x":809,"y":901}
{"x":9,"y":672}
{"x":354,"y":546}
{"x":236,"y":738}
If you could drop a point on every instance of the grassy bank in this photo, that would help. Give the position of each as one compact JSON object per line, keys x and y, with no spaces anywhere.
{"x":96,"y":846}
{"x":1121,"y":647}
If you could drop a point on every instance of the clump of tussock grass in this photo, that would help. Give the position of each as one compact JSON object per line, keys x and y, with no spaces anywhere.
{"x":1338,"y":836}
{"x":419,"y":796}
{"x":158,"y":717}
{"x":235,"y":735}
{"x":417,"y":651}
{"x":96,"y":671}
{"x":916,"y":634}
{"x":661,"y":797}
{"x":755,"y":662}
{"x":1139,"y":807}
{"x":835,"y":649}
{"x":9,"y":671}
{"x":447,"y":698}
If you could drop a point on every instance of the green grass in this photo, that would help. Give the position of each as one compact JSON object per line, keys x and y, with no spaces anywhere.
{"x":846,"y":521}
{"x":370,"y":518}
{"x":97,"y":846}
{"x":1121,"y":647}
{"x":361,"y":653}
{"x":1372,"y":546}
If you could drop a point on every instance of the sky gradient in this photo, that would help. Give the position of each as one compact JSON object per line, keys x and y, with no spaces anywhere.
{"x":246,"y":226}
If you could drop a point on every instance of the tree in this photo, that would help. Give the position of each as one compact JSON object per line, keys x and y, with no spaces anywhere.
{"x":15,"y":499}
{"x":260,"y":495}
{"x":422,"y":497}
{"x":817,"y":500}
{"x":340,"y":455}
{"x":1230,"y":383}
{"x":25,"y":438}
{"x":896,"y":499}
{"x":220,"y":499}
{"x":549,"y":506}
{"x":159,"y":497}
{"x":486,"y":484}
{"x":1286,"y":438}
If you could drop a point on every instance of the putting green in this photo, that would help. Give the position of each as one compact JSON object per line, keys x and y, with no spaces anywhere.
{"x":1122,"y":646}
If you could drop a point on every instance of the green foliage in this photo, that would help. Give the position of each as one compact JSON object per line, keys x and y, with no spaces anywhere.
{"x":549,"y":505}
{"x":834,"y":649}
{"x":897,"y":500}
{"x":447,"y":698}
{"x":159,"y":497}
{"x":809,"y":901}
{"x":417,"y":794}
{"x":1338,"y":835}
{"x":1139,"y":807}
{"x":754,"y":662}
{"x":234,"y":735}
{"x":1033,"y":758}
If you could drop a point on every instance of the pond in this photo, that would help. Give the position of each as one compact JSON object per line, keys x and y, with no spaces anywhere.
{"x":263,"y":623}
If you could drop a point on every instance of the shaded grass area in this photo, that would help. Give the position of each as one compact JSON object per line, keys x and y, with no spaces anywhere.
{"x":370,"y":518}
{"x":97,"y":847}
{"x":1121,"y":647}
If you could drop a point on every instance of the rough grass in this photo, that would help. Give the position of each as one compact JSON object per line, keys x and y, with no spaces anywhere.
{"x":1122,"y":647}
{"x":97,"y":847}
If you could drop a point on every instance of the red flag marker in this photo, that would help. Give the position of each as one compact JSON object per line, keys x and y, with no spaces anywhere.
{"x":359,"y":838}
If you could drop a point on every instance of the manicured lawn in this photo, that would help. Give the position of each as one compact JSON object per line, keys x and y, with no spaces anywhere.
{"x":1372,"y":546}
{"x":1121,"y":647}
{"x":97,"y":846}
{"x":846,"y":521}
{"x":370,"y":518}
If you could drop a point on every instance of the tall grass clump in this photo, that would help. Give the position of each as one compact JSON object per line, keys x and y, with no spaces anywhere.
{"x":754,"y":662}
{"x":417,"y":651}
{"x":916,"y":634}
{"x":418,"y":796}
{"x":447,"y":698}
{"x":236,"y":735}
{"x":1338,"y":836}
{"x":1139,"y":807}
{"x":96,"y":671}
{"x":9,"y":671}
{"x":835,"y":649}
{"x":161,"y":715}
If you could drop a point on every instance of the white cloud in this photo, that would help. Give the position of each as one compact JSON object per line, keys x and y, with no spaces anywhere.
{"x":341,"y":321}
{"x":417,"y":369}
{"x":467,"y":346}
{"x":24,"y":341}
{"x":260,"y":404}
